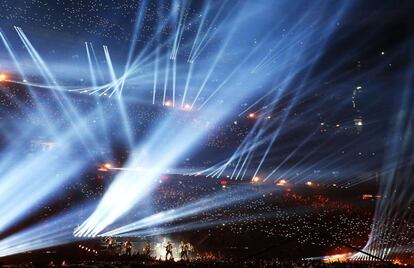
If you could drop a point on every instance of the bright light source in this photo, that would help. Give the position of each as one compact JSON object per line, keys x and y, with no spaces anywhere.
{"x":187,"y":107}
{"x":202,"y":205}
{"x":282,"y":182}
{"x":3,"y":77}
{"x":252,"y":115}
{"x":167,"y":103}
{"x":255,"y":179}
{"x":105,"y":167}
{"x":309,"y":183}
{"x":108,"y":165}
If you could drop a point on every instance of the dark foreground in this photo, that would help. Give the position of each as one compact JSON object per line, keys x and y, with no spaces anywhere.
{"x":200,"y":263}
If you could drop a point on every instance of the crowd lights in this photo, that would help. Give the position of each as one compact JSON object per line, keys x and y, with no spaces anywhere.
{"x":159,"y":152}
{"x":199,"y":225}
{"x":52,"y":232}
{"x":164,"y":150}
{"x":203,"y":205}
{"x":25,"y":179}
{"x":87,"y":249}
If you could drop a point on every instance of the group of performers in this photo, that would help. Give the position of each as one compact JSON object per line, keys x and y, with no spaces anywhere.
{"x":116,"y":248}
{"x":185,"y":248}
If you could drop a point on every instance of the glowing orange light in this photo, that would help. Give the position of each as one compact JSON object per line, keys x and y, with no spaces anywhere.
{"x":255,"y":179}
{"x":309,"y":183}
{"x":396,"y":261}
{"x":342,"y":257}
{"x":3,"y":77}
{"x":167,"y":103}
{"x":105,"y":167}
{"x":251,"y":115}
{"x":108,"y":165}
{"x":282,"y":182}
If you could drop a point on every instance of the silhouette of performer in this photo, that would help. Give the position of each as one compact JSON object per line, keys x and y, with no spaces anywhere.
{"x":168,"y":248}
{"x":147,"y":249}
{"x":128,"y":247}
{"x":184,"y":251}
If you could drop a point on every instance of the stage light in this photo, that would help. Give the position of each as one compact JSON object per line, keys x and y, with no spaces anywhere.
{"x":198,"y":225}
{"x":282,"y":182}
{"x":309,"y":183}
{"x":26,"y":177}
{"x":157,"y":154}
{"x":3,"y":77}
{"x":167,"y":103}
{"x":187,"y":107}
{"x":52,"y":232}
{"x":209,"y":203}
{"x":255,"y":179}
{"x":107,"y":165}
{"x":169,"y":142}
{"x":252,"y":115}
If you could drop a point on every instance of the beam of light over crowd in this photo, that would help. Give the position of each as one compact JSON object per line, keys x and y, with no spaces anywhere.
{"x":203,"y":205}
{"x":181,"y":141}
{"x":393,"y":210}
{"x":54,"y":231}
{"x":35,"y":176}
{"x":163,"y":149}
{"x":155,"y":231}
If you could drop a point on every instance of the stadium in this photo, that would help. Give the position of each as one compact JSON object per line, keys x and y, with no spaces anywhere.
{"x":155,"y":133}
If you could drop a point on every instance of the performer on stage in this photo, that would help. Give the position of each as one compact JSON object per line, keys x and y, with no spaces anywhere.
{"x":147,"y":249}
{"x":184,"y":247}
{"x":110,"y":245}
{"x":169,"y":248}
{"x":128,"y":247}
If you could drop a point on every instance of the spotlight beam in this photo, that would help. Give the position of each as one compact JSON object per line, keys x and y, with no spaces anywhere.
{"x":201,"y":206}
